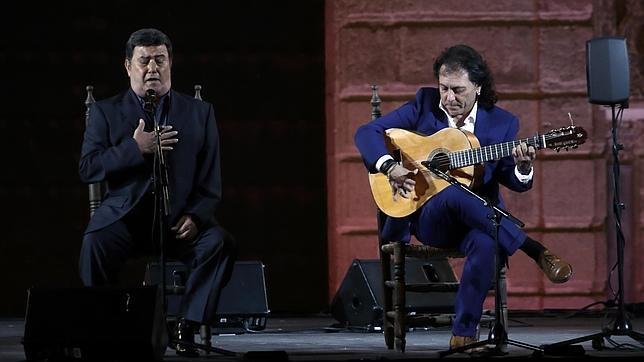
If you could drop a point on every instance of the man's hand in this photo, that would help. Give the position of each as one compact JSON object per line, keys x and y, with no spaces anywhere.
{"x":401,"y":181}
{"x":185,"y":229}
{"x":147,"y":142}
{"x":524,"y":155}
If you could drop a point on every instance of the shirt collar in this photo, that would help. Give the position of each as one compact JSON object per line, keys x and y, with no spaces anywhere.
{"x":470,"y":120}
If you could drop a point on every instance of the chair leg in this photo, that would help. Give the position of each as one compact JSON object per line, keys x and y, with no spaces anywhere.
{"x":400,"y":312}
{"x":387,"y":325}
{"x":503,"y":299}
{"x":206,"y":336}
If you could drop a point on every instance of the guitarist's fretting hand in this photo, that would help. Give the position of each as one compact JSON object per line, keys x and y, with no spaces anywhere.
{"x":401,"y":181}
{"x":523,"y":157}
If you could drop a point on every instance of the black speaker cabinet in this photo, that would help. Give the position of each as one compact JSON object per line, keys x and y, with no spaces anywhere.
{"x":242,"y":305}
{"x":359,"y":300}
{"x":94,"y":323}
{"x":607,"y":70}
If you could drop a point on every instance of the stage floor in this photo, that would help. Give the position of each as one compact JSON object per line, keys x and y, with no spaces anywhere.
{"x":316,"y":338}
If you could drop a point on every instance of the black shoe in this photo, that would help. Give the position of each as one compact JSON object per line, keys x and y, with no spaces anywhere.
{"x":185,"y":332}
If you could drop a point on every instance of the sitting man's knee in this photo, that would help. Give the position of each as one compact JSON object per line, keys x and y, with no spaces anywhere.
{"x":92,"y":242}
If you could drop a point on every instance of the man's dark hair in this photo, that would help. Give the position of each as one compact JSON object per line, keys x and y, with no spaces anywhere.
{"x":147,"y":37}
{"x":464,"y":57}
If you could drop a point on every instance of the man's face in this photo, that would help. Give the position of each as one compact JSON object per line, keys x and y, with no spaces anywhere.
{"x":458,"y":93}
{"x":149,"y":69}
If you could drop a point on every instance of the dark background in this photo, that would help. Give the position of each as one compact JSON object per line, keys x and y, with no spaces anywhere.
{"x":261,"y":64}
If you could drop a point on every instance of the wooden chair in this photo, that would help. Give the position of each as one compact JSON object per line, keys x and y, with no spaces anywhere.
{"x":96,"y":194}
{"x":396,"y":318}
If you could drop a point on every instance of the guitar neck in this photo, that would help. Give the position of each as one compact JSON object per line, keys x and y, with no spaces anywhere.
{"x":497,"y":151}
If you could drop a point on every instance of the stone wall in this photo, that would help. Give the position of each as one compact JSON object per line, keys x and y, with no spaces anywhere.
{"x":536,"y":50}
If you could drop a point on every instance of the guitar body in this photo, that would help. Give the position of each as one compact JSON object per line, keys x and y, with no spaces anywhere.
{"x":412,"y":149}
{"x":455,"y":152}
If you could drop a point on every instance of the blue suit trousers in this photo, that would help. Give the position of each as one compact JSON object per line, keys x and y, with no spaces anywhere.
{"x":454,"y":218}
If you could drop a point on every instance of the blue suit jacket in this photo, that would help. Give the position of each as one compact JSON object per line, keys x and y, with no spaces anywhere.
{"x":424,"y":116}
{"x":109,"y":153}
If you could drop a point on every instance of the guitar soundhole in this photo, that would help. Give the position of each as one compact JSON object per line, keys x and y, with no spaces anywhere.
{"x":440,"y":160}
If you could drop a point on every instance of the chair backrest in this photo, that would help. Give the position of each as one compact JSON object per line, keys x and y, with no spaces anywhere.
{"x":97,"y":189}
{"x":376,"y":113}
{"x":375,"y":103}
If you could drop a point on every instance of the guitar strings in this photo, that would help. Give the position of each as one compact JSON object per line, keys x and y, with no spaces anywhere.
{"x":446,"y":160}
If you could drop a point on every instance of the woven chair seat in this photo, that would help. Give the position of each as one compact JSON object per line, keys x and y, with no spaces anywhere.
{"x":423,"y":251}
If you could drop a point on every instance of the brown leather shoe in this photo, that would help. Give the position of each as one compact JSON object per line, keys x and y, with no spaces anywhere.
{"x":557,"y":270}
{"x":460,"y":341}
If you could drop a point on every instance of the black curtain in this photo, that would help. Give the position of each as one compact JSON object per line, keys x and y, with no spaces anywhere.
{"x":262,"y":66}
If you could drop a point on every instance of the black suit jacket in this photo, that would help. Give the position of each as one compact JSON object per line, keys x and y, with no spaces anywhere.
{"x":109,"y":153}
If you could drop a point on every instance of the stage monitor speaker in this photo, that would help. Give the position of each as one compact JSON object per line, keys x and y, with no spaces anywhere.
{"x":607,"y":71}
{"x":94,"y":324}
{"x":243,"y":303}
{"x":359,"y":300}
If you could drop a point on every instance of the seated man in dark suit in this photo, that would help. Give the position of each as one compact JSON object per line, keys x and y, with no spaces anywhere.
{"x":120,"y":147}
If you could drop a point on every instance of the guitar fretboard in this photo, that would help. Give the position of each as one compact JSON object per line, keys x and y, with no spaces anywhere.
{"x":497,"y":151}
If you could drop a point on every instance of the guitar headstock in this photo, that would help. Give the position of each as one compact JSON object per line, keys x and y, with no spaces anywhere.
{"x":565,"y":137}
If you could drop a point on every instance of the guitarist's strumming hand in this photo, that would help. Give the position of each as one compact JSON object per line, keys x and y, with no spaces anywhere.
{"x":401,"y":181}
{"x":524,"y":155}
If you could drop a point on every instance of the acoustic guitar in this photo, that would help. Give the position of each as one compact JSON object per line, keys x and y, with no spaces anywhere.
{"x":456,"y":152}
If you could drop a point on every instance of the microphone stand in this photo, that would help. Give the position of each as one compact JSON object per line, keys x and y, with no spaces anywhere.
{"x":161,"y":191}
{"x":163,"y":198}
{"x":498,"y":336}
{"x":162,"y":201}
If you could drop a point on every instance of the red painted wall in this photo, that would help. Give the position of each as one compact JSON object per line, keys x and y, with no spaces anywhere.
{"x":536,"y":50}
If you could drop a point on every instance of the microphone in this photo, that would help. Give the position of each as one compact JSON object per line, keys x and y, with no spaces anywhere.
{"x":150,"y":100}
{"x":432,"y":165}
{"x":435,"y":167}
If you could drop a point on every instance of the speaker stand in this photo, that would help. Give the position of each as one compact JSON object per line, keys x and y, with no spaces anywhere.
{"x":621,"y":326}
